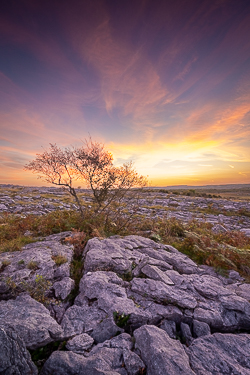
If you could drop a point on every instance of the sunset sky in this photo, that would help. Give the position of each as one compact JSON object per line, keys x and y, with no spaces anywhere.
{"x":163,"y":83}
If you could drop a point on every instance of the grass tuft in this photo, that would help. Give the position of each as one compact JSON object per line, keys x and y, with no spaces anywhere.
{"x":59,"y":259}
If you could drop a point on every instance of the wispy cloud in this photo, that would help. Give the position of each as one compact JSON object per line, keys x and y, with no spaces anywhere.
{"x":156,"y":83}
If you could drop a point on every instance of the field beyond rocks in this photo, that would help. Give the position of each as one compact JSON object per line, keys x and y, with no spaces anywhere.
{"x":167,"y":293}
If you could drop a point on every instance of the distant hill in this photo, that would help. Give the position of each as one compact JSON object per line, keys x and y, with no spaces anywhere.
{"x":205,"y":187}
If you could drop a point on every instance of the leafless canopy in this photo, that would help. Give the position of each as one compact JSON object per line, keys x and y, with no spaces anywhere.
{"x":92,"y":164}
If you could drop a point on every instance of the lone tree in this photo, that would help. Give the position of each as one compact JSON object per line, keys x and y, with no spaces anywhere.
{"x":92,"y":164}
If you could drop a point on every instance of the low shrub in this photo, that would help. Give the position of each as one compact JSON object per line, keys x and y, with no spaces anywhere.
{"x":32,"y":265}
{"x":59,"y":259}
{"x":5,"y":263}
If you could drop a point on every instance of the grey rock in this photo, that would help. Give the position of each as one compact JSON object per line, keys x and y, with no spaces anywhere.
{"x":81,"y":319}
{"x":210,"y":287}
{"x":14,"y":357}
{"x":63,"y":287}
{"x":4,"y":288}
{"x":123,"y":341}
{"x":62,"y":363}
{"x":200,"y":329}
{"x":57,"y":310}
{"x":181,"y":262}
{"x":234,"y":275}
{"x":221,"y":354}
{"x":106,"y":255}
{"x":62,"y":271}
{"x":186,"y":333}
{"x":218,"y":228}
{"x":159,"y":352}
{"x":133,"y":363}
{"x":243,"y":291}
{"x":151,"y":283}
{"x":80,"y":343}
{"x":40,"y":253}
{"x":138,"y":269}
{"x":105,"y":330}
{"x":155,"y":273}
{"x":210,"y":315}
{"x":158,"y":312}
{"x":109,"y":294}
{"x":246,"y":231}
{"x":234,"y":302}
{"x":161,"y":292}
{"x":169,"y":327}
{"x":31,"y":320}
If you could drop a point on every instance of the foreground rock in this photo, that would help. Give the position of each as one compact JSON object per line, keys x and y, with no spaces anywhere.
{"x":141,"y":308}
{"x":161,"y":353}
{"x":48,"y":259}
{"x":221,"y":354}
{"x":14,"y":357}
{"x":31,"y":320}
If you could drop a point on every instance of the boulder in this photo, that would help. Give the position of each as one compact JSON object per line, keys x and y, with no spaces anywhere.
{"x":39,"y":259}
{"x":14,"y":357}
{"x":63,"y":287}
{"x":220,"y":354}
{"x":133,"y":363}
{"x":169,"y":327}
{"x":31,"y":320}
{"x":80,"y":343}
{"x":186,"y":334}
{"x":104,"y":362}
{"x":200,"y":329}
{"x":161,"y":354}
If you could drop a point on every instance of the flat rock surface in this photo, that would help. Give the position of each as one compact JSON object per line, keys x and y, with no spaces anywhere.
{"x":229,"y":216}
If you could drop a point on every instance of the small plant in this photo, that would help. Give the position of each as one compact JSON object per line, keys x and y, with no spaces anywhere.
{"x":40,"y":355}
{"x":20,"y":262}
{"x":221,"y":271}
{"x":120,"y":319}
{"x":127,"y":276}
{"x":133,"y":265}
{"x":155,"y":237}
{"x":5,"y":263}
{"x":38,"y":289}
{"x":32,"y":265}
{"x":59,"y":259}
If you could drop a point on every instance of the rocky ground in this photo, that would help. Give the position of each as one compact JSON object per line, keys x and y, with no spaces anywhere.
{"x":218,"y":211}
{"x":138,"y":307}
{"x":141,"y":308}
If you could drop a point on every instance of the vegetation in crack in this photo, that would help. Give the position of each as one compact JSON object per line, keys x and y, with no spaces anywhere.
{"x":121,"y":319}
{"x":40,"y":355}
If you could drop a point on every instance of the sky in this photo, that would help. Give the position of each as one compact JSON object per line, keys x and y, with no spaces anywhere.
{"x":163,"y":83}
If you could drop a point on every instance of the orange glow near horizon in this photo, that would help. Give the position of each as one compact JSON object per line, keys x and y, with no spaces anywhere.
{"x":166,"y":85}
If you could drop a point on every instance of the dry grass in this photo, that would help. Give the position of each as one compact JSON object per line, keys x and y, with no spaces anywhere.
{"x":59,"y":259}
{"x":229,"y":250}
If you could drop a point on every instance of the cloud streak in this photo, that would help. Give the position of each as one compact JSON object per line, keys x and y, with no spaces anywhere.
{"x":153,"y":81}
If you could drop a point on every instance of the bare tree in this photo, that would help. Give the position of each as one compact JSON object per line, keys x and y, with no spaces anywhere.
{"x":55,"y":167}
{"x":108,"y":183}
{"x":111,"y":186}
